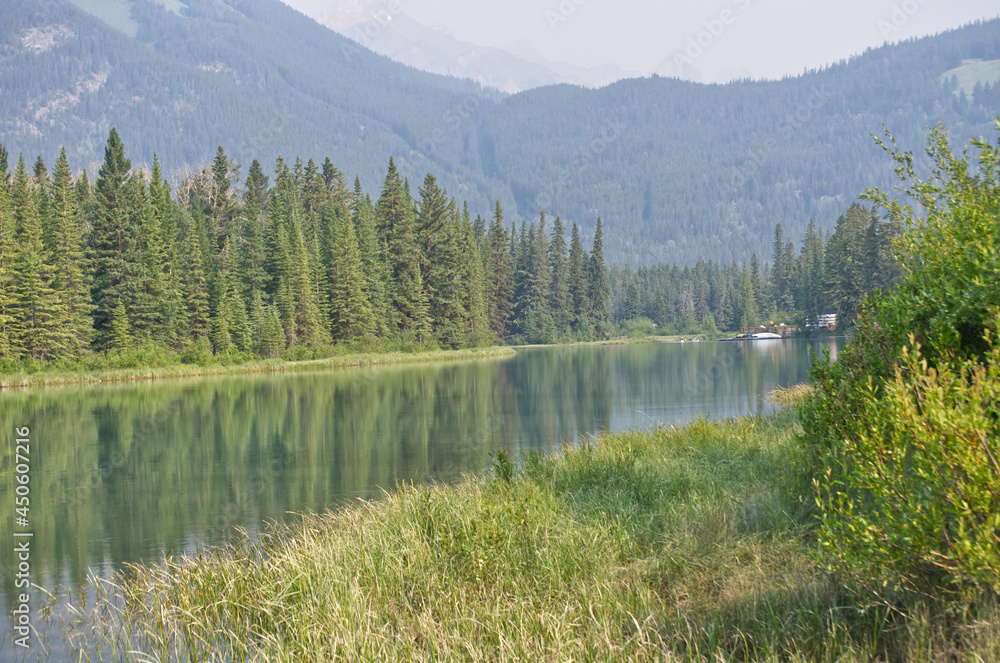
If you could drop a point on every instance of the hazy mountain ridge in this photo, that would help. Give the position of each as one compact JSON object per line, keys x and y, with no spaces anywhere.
{"x":511,"y":69}
{"x":679,"y":171}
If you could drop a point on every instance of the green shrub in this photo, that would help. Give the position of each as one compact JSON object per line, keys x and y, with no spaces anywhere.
{"x":636,"y":328}
{"x":911,"y":501}
{"x":902,"y":431}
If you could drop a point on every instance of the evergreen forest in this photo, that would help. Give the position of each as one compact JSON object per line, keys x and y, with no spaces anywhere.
{"x":286,"y":264}
{"x":290,"y":264}
{"x":828,"y":273}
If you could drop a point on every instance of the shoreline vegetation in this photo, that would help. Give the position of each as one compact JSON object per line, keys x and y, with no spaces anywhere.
{"x":694,"y":543}
{"x":55,"y":377}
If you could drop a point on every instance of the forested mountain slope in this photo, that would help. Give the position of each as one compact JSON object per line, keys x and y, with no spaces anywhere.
{"x":678,"y":171}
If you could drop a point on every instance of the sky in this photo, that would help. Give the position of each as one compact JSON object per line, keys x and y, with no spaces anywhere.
{"x":719,"y":39}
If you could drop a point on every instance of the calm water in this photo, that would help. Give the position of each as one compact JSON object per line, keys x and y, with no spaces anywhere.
{"x":130,"y":472}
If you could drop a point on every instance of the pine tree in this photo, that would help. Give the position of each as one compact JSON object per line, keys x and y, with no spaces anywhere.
{"x":350,"y":313}
{"x":308,"y":328}
{"x":631,"y":308}
{"x":119,"y":266}
{"x":255,"y":195}
{"x":847,"y":264}
{"x":811,"y":296}
{"x":69,"y":268}
{"x":223,"y":207}
{"x":195,"y":282}
{"x":37,"y":311}
{"x":499,"y":276}
{"x":472,"y":288}
{"x":559,"y":303}
{"x":597,"y":282}
{"x":437,"y":231}
{"x":748,"y":316}
{"x":166,"y":258}
{"x":121,"y":334}
{"x":272,"y":339}
{"x":781,"y":272}
{"x":578,"y":285}
{"x":374,"y":268}
{"x":6,"y":255}
{"x":396,"y":228}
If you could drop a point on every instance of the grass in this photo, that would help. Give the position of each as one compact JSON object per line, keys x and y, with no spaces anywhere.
{"x":789,"y":396}
{"x":968,"y":75}
{"x":53,"y":377}
{"x":687,"y":544}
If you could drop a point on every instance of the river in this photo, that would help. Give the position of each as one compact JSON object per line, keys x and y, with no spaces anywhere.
{"x":124,"y":473}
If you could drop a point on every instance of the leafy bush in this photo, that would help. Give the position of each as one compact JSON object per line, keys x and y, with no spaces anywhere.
{"x":903,"y":430}
{"x":636,"y":328}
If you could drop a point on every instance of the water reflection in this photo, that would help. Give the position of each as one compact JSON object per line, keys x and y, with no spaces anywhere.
{"x":128,"y":472}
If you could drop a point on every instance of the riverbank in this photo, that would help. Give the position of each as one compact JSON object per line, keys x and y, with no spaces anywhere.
{"x":685,"y":543}
{"x":580,"y":344}
{"x":55,"y":377}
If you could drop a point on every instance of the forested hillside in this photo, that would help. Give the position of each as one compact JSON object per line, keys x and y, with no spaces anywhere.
{"x":795,"y":283}
{"x":679,"y":171}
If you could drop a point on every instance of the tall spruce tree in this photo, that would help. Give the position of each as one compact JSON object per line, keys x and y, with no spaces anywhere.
{"x":499,"y":276}
{"x":395,"y":222}
{"x":69,"y":267}
{"x":578,"y":285}
{"x":195,"y":282}
{"x":164,"y":214}
{"x":6,"y":254}
{"x":559,"y":303}
{"x":37,"y":311}
{"x":351,"y":315}
{"x":597,"y":282}
{"x":116,"y":246}
{"x":374,"y":267}
{"x":437,"y":238}
{"x":472,"y":285}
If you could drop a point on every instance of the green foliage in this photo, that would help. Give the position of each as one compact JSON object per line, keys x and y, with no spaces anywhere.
{"x":636,"y":328}
{"x":903,"y":427}
{"x":121,"y":334}
{"x":284,"y":270}
{"x":913,"y":502}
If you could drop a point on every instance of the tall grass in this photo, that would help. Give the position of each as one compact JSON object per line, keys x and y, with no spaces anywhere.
{"x":152,"y":365}
{"x":664,"y":545}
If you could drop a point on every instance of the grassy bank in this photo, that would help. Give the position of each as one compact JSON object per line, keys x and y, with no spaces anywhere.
{"x":666,"y":545}
{"x":53,"y":377}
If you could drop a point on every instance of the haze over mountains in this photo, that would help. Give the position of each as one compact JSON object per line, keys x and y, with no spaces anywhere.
{"x":513,"y":68}
{"x":679,"y":171}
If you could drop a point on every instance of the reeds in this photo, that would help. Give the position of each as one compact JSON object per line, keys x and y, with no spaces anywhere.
{"x":662,"y":545}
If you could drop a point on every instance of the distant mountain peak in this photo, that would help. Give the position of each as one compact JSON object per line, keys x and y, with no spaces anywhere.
{"x":434,"y":49}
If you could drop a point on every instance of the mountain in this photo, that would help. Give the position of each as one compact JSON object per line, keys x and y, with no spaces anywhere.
{"x":679,"y":171}
{"x":512,"y":68}
{"x":254,"y":76}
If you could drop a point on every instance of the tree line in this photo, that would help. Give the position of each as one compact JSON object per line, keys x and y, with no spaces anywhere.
{"x":830,"y":273}
{"x":248,"y":268}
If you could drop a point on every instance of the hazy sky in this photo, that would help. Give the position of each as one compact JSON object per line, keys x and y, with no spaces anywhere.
{"x":719,"y":38}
